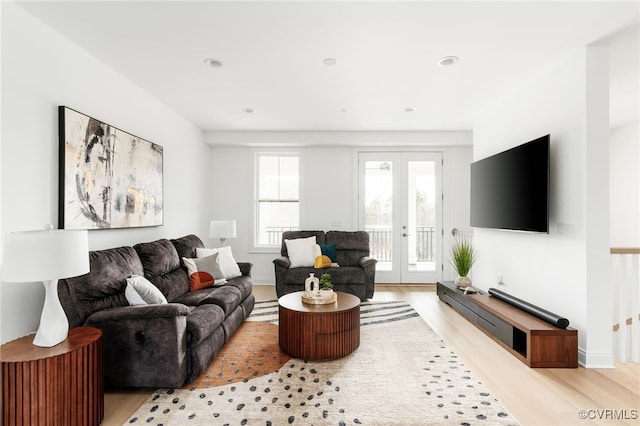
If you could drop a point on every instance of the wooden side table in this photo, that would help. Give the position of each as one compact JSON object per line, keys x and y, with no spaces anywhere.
{"x":319,"y":332}
{"x":61,"y":385}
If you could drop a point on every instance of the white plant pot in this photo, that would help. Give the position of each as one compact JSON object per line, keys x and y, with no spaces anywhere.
{"x":463,"y":282}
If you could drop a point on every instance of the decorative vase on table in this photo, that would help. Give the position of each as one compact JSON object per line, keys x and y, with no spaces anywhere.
{"x":463,"y":282}
{"x":463,"y":256}
{"x":311,"y":285}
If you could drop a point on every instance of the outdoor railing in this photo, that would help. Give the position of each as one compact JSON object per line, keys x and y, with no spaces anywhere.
{"x":274,"y":233}
{"x":381,"y":242}
{"x":426,"y":243}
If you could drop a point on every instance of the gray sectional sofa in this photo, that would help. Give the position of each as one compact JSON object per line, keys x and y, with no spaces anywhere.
{"x":158,"y":345}
{"x":355,"y":274}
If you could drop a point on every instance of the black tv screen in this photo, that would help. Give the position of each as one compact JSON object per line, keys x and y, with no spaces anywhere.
{"x":510,"y":190}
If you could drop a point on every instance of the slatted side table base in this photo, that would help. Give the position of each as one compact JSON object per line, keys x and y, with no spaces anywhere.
{"x":61,"y":385}
{"x":319,"y":332}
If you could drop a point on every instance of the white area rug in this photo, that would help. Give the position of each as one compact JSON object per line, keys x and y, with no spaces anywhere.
{"x":402,"y":374}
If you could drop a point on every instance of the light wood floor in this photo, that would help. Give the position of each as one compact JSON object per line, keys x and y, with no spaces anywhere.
{"x":537,"y":396}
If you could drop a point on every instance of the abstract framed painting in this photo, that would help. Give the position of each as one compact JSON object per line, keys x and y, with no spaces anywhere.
{"x":108,"y":178}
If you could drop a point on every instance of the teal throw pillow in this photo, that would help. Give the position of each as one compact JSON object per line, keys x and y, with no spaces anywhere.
{"x":329,"y":250}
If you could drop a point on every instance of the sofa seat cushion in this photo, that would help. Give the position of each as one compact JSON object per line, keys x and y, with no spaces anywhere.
{"x":202,"y":321}
{"x":341,"y":275}
{"x":193,"y":298}
{"x":346,"y":275}
{"x":228,"y":297}
{"x":244,"y":284}
{"x":299,"y":275}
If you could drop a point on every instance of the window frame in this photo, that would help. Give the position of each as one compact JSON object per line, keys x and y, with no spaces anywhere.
{"x":257,"y":155}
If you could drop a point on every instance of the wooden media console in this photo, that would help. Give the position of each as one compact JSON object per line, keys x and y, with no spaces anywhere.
{"x":530,"y":339}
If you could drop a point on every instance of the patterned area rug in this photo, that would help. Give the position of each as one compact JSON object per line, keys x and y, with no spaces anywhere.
{"x":402,"y":374}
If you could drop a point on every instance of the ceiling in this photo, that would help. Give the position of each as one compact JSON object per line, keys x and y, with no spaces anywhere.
{"x":386,"y":75}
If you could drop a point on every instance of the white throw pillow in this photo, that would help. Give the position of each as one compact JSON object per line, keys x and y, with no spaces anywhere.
{"x":145,"y":291}
{"x":204,"y":271}
{"x":301,"y":251}
{"x":133,"y":297}
{"x":228,"y":264}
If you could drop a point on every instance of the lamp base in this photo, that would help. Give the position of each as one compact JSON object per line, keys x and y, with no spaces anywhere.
{"x":54,"y":325}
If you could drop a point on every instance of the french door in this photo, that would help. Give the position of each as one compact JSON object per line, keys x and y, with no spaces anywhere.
{"x":400,"y":205}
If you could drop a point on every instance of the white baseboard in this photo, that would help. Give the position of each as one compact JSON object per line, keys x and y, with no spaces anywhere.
{"x":262,"y":281}
{"x":595,"y":359}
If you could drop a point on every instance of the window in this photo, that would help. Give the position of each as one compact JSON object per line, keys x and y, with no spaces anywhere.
{"x":277,"y":197}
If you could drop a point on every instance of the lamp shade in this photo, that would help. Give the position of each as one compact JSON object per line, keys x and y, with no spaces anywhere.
{"x":222,"y":229}
{"x":44,"y":255}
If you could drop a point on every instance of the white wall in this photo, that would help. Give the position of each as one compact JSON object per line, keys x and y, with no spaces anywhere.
{"x":1,"y":202}
{"x":556,"y":270}
{"x":624,"y":185}
{"x":41,"y":70}
{"x":328,"y":180}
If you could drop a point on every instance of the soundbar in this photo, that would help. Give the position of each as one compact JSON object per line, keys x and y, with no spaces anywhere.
{"x":543,"y":314}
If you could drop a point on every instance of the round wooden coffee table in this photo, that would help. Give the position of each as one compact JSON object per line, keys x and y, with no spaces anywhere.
{"x":319,"y":332}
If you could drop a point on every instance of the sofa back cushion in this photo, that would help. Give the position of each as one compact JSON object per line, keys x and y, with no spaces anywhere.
{"x":351,"y":246}
{"x":292,"y":235}
{"x":103,"y":287}
{"x":186,"y":246}
{"x":162,"y":267}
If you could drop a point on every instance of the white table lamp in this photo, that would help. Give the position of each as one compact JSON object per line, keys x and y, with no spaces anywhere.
{"x":222,"y":229}
{"x":46,"y":256}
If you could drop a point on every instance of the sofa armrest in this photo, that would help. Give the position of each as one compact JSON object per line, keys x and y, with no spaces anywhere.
{"x":144,"y":346}
{"x":367,"y":262}
{"x":245,"y":268}
{"x":282,"y":261}
{"x":369,"y":266}
{"x":281,"y":266}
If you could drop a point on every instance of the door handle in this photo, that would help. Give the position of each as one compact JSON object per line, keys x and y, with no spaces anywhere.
{"x":404,"y":234}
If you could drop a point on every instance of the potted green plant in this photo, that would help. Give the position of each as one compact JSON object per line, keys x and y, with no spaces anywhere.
{"x":463,"y":256}
{"x":325,"y":283}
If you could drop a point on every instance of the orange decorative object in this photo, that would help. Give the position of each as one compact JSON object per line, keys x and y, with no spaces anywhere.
{"x":200,"y":280}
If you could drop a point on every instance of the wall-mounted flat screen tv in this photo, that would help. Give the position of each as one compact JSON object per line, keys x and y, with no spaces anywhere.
{"x":510,"y":190}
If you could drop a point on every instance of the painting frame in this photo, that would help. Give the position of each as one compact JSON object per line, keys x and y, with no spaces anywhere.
{"x":108,"y":178}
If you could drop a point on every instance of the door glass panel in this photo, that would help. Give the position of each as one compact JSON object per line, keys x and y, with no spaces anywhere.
{"x":400,"y":207}
{"x":378,"y":211}
{"x":421,"y":210}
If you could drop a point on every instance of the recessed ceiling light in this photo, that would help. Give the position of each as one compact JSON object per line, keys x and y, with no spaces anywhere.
{"x":409,"y":109}
{"x":249,"y":110}
{"x":329,"y":61}
{"x":344,"y":110}
{"x":212,"y":62}
{"x":447,"y":61}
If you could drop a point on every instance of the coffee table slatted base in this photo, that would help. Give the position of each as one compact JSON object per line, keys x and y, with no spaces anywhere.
{"x":319,"y":336}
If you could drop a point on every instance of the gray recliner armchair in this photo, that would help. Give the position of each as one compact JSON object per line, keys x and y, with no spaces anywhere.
{"x":356,"y":271}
